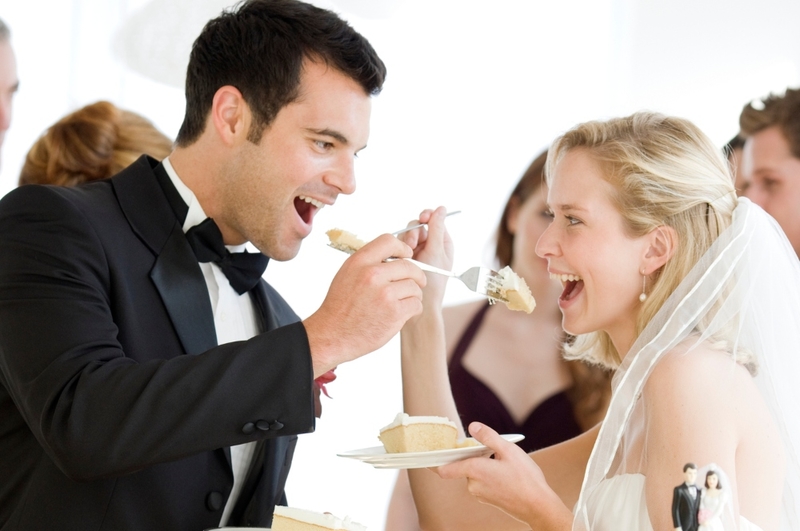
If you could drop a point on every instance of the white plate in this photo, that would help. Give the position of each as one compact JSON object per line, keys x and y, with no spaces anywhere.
{"x":377,"y":456}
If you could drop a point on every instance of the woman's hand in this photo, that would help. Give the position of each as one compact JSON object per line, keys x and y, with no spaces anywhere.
{"x":433,"y":246}
{"x":511,"y":482}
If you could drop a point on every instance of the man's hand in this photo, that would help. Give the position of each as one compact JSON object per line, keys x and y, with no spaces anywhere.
{"x":368,"y":302}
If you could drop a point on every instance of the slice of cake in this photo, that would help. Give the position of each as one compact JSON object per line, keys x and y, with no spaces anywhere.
{"x":419,"y":434}
{"x":513,"y":289}
{"x":293,"y":519}
{"x":344,"y":241}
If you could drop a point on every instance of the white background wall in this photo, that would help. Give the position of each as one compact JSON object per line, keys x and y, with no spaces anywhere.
{"x":475,"y":90}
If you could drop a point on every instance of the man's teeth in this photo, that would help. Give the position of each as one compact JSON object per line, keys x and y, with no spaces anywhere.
{"x":565,"y":278}
{"x":313,"y":201}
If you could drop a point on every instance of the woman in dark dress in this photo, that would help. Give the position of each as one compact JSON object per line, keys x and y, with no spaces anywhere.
{"x":506,"y":368}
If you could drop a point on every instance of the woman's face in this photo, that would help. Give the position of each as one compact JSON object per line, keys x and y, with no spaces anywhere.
{"x":587,"y":248}
{"x":712,"y":481}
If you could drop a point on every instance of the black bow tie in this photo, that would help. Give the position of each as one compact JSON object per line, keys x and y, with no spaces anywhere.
{"x":242,"y":269}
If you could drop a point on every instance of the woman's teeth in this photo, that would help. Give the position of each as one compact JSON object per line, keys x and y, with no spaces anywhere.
{"x":565,"y":278}
{"x":312,"y":201}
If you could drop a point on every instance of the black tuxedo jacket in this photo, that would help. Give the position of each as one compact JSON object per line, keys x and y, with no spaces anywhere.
{"x":684,"y":508}
{"x":117,"y":407}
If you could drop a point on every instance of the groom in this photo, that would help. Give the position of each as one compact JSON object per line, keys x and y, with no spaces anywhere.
{"x":149,"y":377}
{"x":686,"y":501}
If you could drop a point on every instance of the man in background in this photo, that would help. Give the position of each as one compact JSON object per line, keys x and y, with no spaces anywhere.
{"x":149,"y":377}
{"x":733,"y":151}
{"x":771,"y":159}
{"x":8,"y":80}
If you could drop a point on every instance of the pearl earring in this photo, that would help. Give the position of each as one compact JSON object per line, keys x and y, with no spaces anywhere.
{"x":643,"y":296}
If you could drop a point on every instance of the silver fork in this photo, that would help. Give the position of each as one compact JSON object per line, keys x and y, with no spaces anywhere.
{"x":481,"y":280}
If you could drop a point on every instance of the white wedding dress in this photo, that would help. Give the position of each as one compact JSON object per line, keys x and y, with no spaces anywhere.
{"x":618,"y":504}
{"x":713,"y":505}
{"x":745,"y":292}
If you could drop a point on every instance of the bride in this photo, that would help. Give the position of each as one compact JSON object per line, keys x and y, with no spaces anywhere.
{"x":712,"y":502}
{"x":689,"y":294}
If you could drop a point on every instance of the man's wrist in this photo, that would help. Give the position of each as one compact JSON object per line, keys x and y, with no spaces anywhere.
{"x":322,"y":346}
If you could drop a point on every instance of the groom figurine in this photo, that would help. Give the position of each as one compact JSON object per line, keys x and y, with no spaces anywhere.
{"x":686,"y":501}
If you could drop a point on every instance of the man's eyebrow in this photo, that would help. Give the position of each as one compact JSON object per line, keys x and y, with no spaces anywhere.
{"x":331,"y":133}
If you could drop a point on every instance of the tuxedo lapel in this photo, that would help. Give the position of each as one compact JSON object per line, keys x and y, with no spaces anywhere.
{"x":182,"y":288}
{"x":176,"y":273}
{"x":267,"y":318}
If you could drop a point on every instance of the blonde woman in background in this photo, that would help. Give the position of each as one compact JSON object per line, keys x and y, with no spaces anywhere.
{"x":94,"y":142}
{"x":506,"y":368}
{"x":681,"y":289}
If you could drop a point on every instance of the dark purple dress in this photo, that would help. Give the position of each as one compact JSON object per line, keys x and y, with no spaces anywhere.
{"x":551,"y":422}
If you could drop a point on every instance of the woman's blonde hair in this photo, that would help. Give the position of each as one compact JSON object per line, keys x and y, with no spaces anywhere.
{"x":94,"y":142}
{"x":664,"y":172}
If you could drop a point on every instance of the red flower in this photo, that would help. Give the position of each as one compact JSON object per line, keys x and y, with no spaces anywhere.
{"x":325,"y":379}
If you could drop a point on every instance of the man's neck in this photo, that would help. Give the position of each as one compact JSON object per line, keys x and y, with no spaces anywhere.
{"x":198,"y":166}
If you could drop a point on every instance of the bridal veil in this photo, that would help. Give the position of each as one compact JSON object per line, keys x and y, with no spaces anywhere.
{"x":744,"y":294}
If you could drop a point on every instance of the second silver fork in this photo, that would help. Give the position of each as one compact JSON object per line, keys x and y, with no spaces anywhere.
{"x":481,"y":280}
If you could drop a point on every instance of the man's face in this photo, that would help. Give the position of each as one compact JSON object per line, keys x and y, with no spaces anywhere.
{"x":303,"y":162}
{"x":690,"y":476}
{"x":8,"y":85}
{"x":773,"y":179}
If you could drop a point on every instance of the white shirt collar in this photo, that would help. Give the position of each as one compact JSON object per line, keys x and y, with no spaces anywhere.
{"x":196,"y":215}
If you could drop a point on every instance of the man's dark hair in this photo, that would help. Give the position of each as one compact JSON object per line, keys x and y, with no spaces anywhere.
{"x":782,"y":110}
{"x":734,"y":143}
{"x":687,"y":466}
{"x":259,"y":47}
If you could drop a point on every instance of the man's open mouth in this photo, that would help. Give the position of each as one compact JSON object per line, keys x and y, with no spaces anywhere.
{"x":306,"y":207}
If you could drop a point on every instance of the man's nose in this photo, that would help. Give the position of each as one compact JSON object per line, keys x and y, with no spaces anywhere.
{"x":343,"y":176}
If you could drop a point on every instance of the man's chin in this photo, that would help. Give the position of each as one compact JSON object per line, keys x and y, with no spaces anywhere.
{"x":280,"y":253}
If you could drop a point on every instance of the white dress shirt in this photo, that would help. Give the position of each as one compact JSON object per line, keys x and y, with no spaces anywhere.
{"x":234,"y":319}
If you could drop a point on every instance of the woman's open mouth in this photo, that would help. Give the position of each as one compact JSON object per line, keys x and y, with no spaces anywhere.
{"x":573,"y":285}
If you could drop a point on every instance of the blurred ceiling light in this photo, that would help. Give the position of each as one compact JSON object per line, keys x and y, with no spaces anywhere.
{"x":156,"y":40}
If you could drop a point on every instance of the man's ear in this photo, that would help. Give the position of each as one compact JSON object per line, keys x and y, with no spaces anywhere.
{"x":662,"y":242}
{"x":230,"y":115}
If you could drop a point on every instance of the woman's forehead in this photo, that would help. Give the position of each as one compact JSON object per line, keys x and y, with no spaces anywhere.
{"x":576,"y":182}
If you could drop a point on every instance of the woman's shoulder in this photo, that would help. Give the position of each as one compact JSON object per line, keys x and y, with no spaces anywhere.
{"x":456,"y":320}
{"x":691,"y":366}
{"x":699,"y":386}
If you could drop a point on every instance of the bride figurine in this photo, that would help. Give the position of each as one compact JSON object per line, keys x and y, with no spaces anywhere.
{"x":712,"y":502}
{"x":668,"y":279}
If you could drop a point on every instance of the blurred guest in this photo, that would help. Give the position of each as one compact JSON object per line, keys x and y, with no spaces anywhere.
{"x":9,"y":83}
{"x":94,"y":142}
{"x":771,"y":158}
{"x":733,"y":151}
{"x":506,"y":368}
